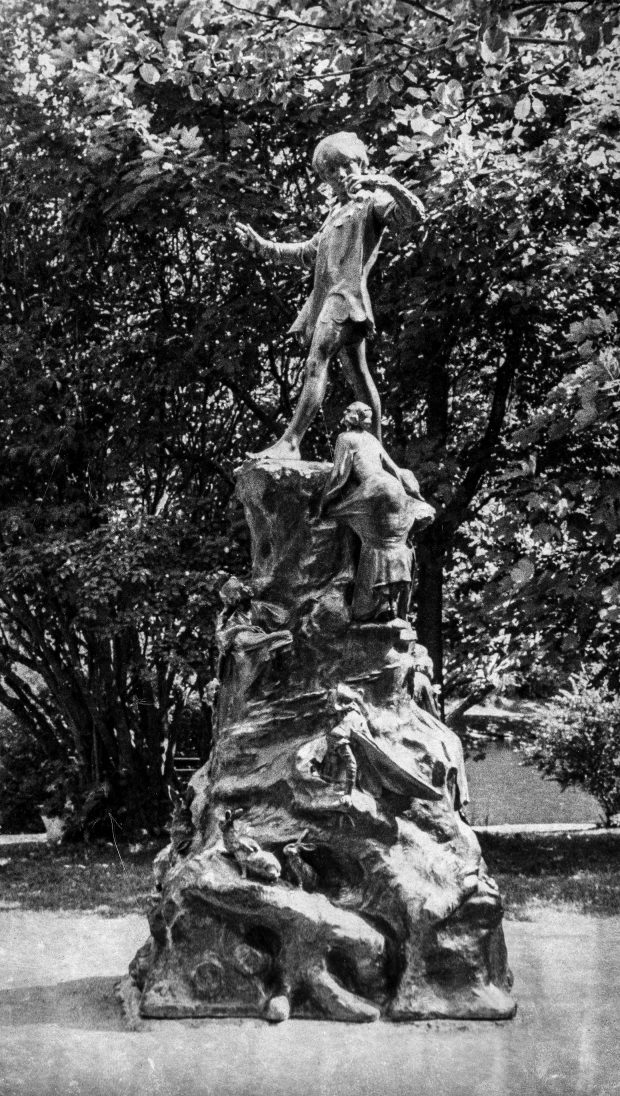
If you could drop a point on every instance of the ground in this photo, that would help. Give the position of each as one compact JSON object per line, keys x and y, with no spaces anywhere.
{"x":61,"y":1029}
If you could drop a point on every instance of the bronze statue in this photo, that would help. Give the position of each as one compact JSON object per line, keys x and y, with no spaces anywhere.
{"x":356,"y":763}
{"x":337,"y":317}
{"x":421,"y":681}
{"x":246,"y":649}
{"x":338,"y":765}
{"x":359,"y":891}
{"x":238,"y":632}
{"x":302,"y":873}
{"x":246,"y":852}
{"x":381,"y":503}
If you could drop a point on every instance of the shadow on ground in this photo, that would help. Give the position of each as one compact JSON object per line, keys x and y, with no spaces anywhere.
{"x":83,"y":1003}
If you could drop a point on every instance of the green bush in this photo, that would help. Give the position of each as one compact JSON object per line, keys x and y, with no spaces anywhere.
{"x":577,"y":742}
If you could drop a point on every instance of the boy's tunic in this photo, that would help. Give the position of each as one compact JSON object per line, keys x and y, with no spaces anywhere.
{"x":343,"y":253}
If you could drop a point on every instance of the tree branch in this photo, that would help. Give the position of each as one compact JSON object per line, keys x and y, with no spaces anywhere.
{"x":429,"y":11}
{"x":515,"y":87}
{"x":454,"y":719}
{"x":274,"y":18}
{"x":539,"y":40}
{"x":480,"y":460}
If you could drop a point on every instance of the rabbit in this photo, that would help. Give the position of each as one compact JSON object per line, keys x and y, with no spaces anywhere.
{"x":302,"y":873}
{"x":247,"y":852}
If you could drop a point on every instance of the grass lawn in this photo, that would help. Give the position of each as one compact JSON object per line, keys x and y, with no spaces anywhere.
{"x":111,"y":882}
{"x":594,"y":892}
{"x":77,"y":877}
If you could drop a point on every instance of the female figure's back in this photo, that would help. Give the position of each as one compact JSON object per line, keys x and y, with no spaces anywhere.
{"x":380,"y":502}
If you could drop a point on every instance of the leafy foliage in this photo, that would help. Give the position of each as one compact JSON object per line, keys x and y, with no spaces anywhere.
{"x":31,"y":775}
{"x":142,"y":353}
{"x":577,"y":742}
{"x":540,"y":568}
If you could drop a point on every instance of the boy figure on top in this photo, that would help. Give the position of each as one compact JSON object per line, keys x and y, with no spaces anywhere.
{"x":337,"y":317}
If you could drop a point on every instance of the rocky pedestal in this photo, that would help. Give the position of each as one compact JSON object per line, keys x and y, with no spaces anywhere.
{"x":322,"y":868}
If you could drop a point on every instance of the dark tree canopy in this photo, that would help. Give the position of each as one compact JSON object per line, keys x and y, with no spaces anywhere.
{"x":143,"y":352}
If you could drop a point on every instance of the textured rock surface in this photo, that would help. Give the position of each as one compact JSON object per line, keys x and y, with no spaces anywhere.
{"x":385,"y":908}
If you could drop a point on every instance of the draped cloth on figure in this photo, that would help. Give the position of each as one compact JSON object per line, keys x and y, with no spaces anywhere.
{"x":381,"y":515}
{"x":380,"y":503}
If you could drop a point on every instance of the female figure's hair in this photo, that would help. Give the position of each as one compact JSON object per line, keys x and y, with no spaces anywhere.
{"x":358,"y":416}
{"x":339,"y":147}
{"x":234,"y":591}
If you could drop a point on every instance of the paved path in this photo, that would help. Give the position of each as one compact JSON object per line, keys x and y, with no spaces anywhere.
{"x":11,"y":840}
{"x":61,"y":1033}
{"x":543,"y":828}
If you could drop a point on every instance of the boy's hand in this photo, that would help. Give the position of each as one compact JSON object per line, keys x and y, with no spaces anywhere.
{"x":249,"y":238}
{"x":375,"y":180}
{"x":371,"y":180}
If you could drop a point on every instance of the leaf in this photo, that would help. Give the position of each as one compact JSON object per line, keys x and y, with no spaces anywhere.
{"x":612,"y":614}
{"x":451,"y":96}
{"x":190,"y":138}
{"x":523,"y":572}
{"x":509,"y":23}
{"x":586,"y":416}
{"x":591,"y":23}
{"x":424,"y":125}
{"x":577,"y":332}
{"x":596,"y":158}
{"x":495,"y":46}
{"x":403,"y":156}
{"x":203,"y":63}
{"x":611,"y":594}
{"x":523,"y":107}
{"x":149,"y":73}
{"x":586,"y":350}
{"x":544,"y":533}
{"x":187,"y":17}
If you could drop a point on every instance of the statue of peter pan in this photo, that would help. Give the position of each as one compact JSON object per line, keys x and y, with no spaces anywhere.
{"x":337,"y":317}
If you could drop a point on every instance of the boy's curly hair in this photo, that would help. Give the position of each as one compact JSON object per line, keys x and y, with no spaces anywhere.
{"x":339,"y":146}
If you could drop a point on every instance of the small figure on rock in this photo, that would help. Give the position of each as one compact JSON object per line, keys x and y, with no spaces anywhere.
{"x":212,"y":695}
{"x":327,"y":765}
{"x":358,"y":766}
{"x":420,"y":681}
{"x":182,"y":829}
{"x":381,"y":503}
{"x":241,"y":638}
{"x":337,"y":317}
{"x":338,"y":765}
{"x":247,"y":852}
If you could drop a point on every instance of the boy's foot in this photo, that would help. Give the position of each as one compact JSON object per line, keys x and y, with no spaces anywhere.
{"x":280,"y":450}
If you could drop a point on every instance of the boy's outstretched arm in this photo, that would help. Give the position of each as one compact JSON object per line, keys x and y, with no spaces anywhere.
{"x":303,"y":252}
{"x":394,"y":204}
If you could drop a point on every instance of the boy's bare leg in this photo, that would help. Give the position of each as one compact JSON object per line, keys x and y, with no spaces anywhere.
{"x":353,"y":358}
{"x":325,"y":345}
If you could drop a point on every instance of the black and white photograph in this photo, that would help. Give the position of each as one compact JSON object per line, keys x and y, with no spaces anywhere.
{"x":309,"y":548}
